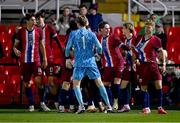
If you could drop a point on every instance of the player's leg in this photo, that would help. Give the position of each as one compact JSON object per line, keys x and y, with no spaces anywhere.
{"x":124,"y":89}
{"x":93,"y":73}
{"x":107,"y":78}
{"x":125,"y":96}
{"x":78,"y":74}
{"x":40,"y":86}
{"x":53,"y":87}
{"x":158,"y":85}
{"x":64,"y":93}
{"x":145,"y":99}
{"x":27,"y":73}
{"x":145,"y":77}
{"x":116,"y":84}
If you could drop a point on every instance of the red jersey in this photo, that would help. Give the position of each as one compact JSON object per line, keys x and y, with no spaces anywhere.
{"x":111,"y":56}
{"x":30,"y":44}
{"x":147,"y":49}
{"x":59,"y":55}
{"x":48,"y":34}
{"x":126,"y":46}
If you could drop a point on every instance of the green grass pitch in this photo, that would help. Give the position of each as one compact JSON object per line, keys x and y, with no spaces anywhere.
{"x":19,"y":115}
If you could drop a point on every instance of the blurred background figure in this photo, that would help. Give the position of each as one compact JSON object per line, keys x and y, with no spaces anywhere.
{"x":94,"y":17}
{"x":63,"y":23}
{"x":160,"y":34}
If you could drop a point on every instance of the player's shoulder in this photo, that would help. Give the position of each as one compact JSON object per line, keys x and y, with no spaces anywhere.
{"x":50,"y":26}
{"x":155,"y":37}
{"x":37,"y":28}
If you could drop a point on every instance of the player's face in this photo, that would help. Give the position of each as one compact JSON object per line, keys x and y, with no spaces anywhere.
{"x":32,"y":21}
{"x":40,"y":21}
{"x":106,"y":30}
{"x":154,"y":18}
{"x":149,"y":29}
{"x":66,"y":12}
{"x":83,"y":11}
{"x":124,"y":30}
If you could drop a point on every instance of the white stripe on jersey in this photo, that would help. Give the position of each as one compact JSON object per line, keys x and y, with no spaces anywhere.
{"x":32,"y":58}
{"x":26,"y":46}
{"x":112,"y":65}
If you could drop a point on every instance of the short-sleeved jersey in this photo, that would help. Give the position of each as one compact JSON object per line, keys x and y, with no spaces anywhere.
{"x":30,"y":44}
{"x":127,"y":43}
{"x":48,"y":34}
{"x":84,"y":42}
{"x":111,"y":56}
{"x":147,"y":49}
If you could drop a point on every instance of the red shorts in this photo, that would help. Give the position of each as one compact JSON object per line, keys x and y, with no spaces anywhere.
{"x":65,"y":75}
{"x":109,"y":73}
{"x":28,"y":69}
{"x":148,"y":72}
{"x":49,"y":70}
{"x":127,"y":73}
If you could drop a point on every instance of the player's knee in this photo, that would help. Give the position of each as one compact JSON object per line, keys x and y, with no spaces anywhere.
{"x":124,"y":84}
{"x":27,"y":84}
{"x":66,"y":85}
{"x":50,"y":79}
{"x":38,"y":82}
{"x":144,"y":88}
{"x":76,"y":83}
{"x":158,"y":84}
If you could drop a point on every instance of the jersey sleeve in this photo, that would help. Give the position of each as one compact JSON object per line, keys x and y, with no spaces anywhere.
{"x":40,"y":34}
{"x":97,"y":43}
{"x":157,"y":43}
{"x":53,"y":32}
{"x":18,"y":35}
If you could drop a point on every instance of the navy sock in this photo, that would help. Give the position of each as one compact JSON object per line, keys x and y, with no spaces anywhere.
{"x":109,"y":93}
{"x":63,"y":97}
{"x":145,"y":99}
{"x":41,"y":92}
{"x":29,"y":95}
{"x":72,"y":97}
{"x":90,"y":101}
{"x":125,"y":93}
{"x":116,"y":91}
{"x":160,"y":97}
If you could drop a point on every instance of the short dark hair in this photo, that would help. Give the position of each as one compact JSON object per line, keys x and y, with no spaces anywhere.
{"x":23,"y":21}
{"x":29,"y":16}
{"x":82,"y":5}
{"x":82,"y":20}
{"x":40,"y":14}
{"x":102,"y":24}
{"x":66,"y":7}
{"x":129,"y":26}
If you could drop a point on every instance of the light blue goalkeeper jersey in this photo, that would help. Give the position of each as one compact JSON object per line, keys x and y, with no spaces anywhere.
{"x":84,"y":43}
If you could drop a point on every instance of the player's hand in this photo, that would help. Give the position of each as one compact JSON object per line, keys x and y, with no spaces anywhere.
{"x":44,"y":64}
{"x":17,"y":52}
{"x":163,"y":69}
{"x":97,"y":57}
{"x":69,"y":64}
{"x":135,"y":64}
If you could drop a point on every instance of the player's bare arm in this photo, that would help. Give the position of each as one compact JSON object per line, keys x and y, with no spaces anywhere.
{"x":42,"y":49}
{"x":16,"y":51}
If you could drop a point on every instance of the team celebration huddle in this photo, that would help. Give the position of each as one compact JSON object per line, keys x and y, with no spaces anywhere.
{"x":96,"y":65}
